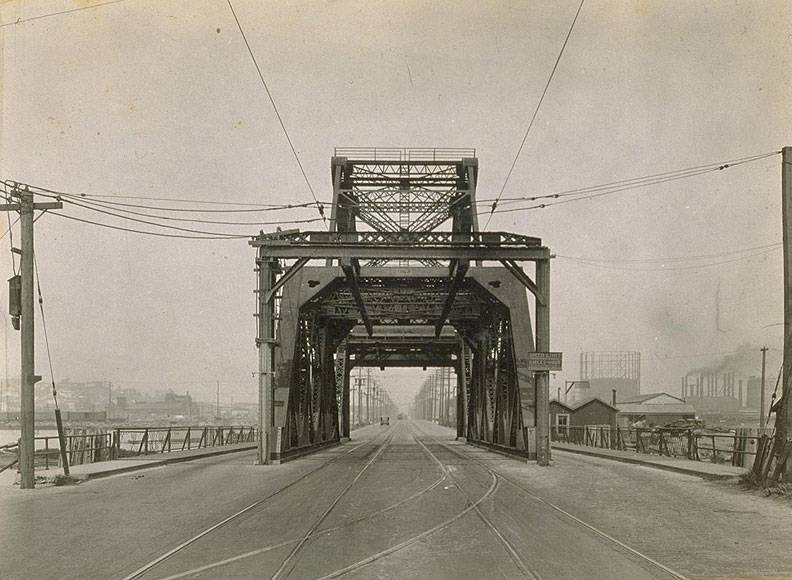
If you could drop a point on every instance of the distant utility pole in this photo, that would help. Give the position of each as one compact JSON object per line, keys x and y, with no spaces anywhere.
{"x":784,"y":414}
{"x":26,"y":207}
{"x":217,"y":412}
{"x":762,"y":391}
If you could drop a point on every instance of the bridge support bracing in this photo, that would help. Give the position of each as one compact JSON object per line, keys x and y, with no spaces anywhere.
{"x":400,"y":294}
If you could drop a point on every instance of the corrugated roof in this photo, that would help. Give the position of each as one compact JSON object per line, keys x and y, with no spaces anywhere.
{"x":644,"y":409}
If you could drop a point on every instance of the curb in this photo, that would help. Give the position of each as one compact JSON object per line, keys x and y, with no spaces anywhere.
{"x":136,"y":465}
{"x":676,"y":468}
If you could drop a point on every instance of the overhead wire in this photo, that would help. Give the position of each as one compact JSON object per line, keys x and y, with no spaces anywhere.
{"x":675,"y":258}
{"x":150,"y":223}
{"x":85,"y":197}
{"x":536,"y":112}
{"x":60,"y":13}
{"x":46,"y":335}
{"x":660,"y":177}
{"x":69,"y":199}
{"x":671,"y":268}
{"x":319,"y":206}
{"x":584,"y":194}
{"x":143,"y":232}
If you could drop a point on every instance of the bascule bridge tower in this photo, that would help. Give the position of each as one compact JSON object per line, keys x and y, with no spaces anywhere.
{"x":402,"y":278}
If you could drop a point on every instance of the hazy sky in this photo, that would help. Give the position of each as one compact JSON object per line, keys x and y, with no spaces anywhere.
{"x":160,"y":98}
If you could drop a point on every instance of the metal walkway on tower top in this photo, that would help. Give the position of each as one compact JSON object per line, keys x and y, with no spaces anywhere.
{"x":402,"y":278}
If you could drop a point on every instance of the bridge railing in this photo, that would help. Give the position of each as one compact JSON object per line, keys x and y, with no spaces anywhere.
{"x":132,"y":441}
{"x":736,"y":447}
{"x":127,"y":442}
{"x":404,"y":153}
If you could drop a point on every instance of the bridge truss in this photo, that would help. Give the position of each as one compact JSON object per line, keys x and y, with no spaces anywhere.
{"x":393,"y":289}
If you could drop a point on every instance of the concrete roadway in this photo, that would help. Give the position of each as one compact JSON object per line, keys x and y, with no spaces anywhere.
{"x":405,"y":501}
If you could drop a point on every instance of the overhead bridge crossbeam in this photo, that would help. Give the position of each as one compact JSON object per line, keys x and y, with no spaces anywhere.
{"x":403,"y":245}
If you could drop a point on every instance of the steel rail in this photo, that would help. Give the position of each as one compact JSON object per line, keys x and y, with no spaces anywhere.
{"x":307,"y":536}
{"x":330,"y":530}
{"x":159,"y":560}
{"x":492,"y":527}
{"x":410,"y":541}
{"x":572,"y":517}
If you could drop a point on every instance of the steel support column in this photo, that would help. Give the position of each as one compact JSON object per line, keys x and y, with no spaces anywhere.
{"x":461,"y":401}
{"x":267,"y":270}
{"x":543,"y":378}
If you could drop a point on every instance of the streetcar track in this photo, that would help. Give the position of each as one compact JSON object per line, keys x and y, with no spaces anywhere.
{"x":157,"y":561}
{"x":492,"y":527}
{"x":307,"y":536}
{"x":325,"y":531}
{"x":410,"y":541}
{"x":570,"y":516}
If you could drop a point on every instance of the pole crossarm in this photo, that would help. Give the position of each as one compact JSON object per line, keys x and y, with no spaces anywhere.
{"x":403,"y":245}
{"x":525,"y":279}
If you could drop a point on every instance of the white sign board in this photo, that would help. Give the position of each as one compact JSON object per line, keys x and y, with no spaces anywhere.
{"x":541,"y":361}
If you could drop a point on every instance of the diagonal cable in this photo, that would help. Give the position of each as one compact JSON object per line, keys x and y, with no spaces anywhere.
{"x":535,"y":113}
{"x":319,"y":206}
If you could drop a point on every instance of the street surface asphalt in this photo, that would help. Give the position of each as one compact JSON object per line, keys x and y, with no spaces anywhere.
{"x":404,"y":501}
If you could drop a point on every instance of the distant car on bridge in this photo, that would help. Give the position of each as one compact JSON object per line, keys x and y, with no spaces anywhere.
{"x":384,"y":420}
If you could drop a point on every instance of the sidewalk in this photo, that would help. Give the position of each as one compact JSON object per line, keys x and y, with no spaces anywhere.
{"x":88,"y":471}
{"x":698,"y":468}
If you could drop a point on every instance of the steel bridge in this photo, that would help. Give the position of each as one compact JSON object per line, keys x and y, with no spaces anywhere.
{"x":404,"y":278}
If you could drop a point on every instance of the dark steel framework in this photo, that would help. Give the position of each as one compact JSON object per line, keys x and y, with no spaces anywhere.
{"x":394,"y":291}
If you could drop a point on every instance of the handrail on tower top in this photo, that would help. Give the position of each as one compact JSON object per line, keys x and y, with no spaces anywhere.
{"x":404,"y":153}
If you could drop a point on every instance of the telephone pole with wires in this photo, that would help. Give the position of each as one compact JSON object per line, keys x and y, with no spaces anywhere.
{"x":26,"y":206}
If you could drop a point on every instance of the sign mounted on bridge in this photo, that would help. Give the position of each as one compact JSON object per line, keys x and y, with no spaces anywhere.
{"x":541,"y":361}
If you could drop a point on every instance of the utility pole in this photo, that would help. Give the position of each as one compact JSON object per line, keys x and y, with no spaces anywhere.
{"x":217,"y":412}
{"x":26,"y":206}
{"x":784,"y":414}
{"x":762,"y":393}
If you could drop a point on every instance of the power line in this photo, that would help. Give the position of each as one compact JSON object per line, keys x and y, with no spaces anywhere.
{"x":150,"y":223}
{"x":536,"y":112}
{"x":319,"y":206}
{"x":69,"y":199}
{"x":583,"y":194}
{"x":675,"y":258}
{"x":662,"y":269}
{"x":32,"y":18}
{"x":259,"y":207}
{"x":655,"y":177}
{"x":134,"y":231}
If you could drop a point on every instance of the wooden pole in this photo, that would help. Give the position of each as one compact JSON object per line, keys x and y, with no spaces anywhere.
{"x":784,"y":415}
{"x":28,"y":397}
{"x":762,"y":414}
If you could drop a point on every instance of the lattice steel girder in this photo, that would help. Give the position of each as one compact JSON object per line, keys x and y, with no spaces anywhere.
{"x":406,"y":361}
{"x":403,"y":245}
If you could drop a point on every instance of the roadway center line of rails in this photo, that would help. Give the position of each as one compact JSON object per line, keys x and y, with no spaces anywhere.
{"x":492,"y":527}
{"x":330,"y":508}
{"x":265,"y":549}
{"x":414,"y":539}
{"x":325,"y":531}
{"x":147,"y":567}
{"x":577,"y":520}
